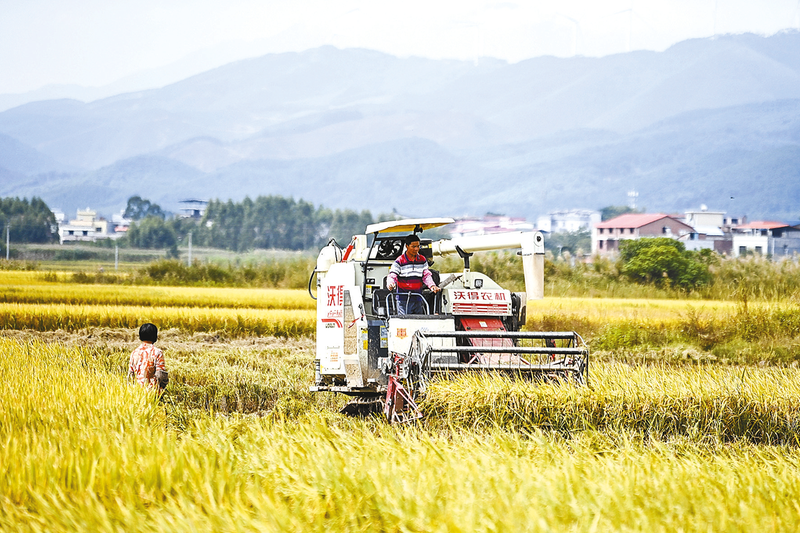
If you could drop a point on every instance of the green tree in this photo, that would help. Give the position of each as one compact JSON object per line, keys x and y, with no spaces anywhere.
{"x":139,"y":208}
{"x":345,"y":224}
{"x":574,"y":242}
{"x":29,"y":221}
{"x":663,"y":262}
{"x":152,"y":232}
{"x":613,"y":211}
{"x":275,"y":222}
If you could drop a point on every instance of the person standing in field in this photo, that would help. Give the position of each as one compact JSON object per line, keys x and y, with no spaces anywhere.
{"x":147,"y":361}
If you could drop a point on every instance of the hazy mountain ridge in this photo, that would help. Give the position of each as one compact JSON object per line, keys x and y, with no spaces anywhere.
{"x":349,"y":128}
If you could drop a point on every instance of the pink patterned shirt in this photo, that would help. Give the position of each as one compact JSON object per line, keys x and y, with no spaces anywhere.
{"x":144,"y":361}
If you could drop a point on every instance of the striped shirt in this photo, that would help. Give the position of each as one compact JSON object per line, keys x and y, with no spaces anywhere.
{"x":410,"y":275}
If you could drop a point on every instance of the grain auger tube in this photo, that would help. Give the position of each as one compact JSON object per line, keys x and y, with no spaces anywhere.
{"x":381,"y":359}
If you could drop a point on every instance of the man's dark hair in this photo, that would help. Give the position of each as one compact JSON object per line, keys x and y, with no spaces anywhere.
{"x":148,"y":332}
{"x":411,"y":238}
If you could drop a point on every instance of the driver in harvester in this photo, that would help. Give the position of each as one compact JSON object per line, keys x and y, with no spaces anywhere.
{"x":410,"y":273}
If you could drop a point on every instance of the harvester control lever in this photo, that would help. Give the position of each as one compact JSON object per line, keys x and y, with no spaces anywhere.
{"x":448,"y":280}
{"x":356,"y":319}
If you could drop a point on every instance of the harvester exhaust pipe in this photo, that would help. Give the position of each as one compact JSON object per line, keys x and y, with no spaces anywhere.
{"x":531,"y":244}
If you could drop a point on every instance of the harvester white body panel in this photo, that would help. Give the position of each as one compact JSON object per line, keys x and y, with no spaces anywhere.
{"x":402,"y":330}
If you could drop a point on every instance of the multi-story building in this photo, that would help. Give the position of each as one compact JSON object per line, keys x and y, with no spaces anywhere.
{"x":711,"y":230}
{"x":86,"y":227}
{"x":765,"y":237}
{"x":607,"y":235}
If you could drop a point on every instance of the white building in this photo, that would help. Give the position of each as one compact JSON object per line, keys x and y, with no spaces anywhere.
{"x":193,"y":208}
{"x":709,"y":231}
{"x":86,"y":227}
{"x":704,"y":218}
{"x":569,"y":220}
{"x":121,"y":224}
{"x":765,"y":237}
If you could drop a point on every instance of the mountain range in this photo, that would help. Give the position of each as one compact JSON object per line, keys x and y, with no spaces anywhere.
{"x":708,"y":121}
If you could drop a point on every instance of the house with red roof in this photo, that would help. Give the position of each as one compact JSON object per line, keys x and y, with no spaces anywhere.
{"x":766,"y":237}
{"x":607,"y":235}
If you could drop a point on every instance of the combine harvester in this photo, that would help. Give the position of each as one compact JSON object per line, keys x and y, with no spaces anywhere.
{"x":383,"y":360}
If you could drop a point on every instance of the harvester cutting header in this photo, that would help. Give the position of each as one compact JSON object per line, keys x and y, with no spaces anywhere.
{"x":371,"y":350}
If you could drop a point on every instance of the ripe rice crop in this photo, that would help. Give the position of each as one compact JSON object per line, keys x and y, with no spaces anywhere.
{"x":232,"y":322}
{"x":272,"y":379}
{"x":36,"y":291}
{"x":663,"y":329}
{"x":85,"y":450}
{"x":594,"y":313}
{"x":759,"y":405}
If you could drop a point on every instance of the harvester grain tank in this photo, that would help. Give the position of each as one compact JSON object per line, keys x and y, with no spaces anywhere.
{"x":383,"y":359}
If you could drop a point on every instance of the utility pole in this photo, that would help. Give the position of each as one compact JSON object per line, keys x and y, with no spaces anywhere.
{"x":116,"y":256}
{"x":190,"y":249}
{"x":8,"y":241}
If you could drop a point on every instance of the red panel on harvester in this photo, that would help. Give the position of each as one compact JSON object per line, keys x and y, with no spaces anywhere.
{"x":485,"y":324}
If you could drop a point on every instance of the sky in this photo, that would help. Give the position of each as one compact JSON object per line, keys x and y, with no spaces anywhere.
{"x":94,"y":43}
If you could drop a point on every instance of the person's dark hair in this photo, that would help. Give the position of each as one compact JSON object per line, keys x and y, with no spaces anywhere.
{"x":411,"y":238}
{"x":148,"y":332}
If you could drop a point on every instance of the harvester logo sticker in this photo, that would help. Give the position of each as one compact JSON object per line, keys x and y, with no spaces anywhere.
{"x":499,"y":296}
{"x":402,"y":333}
{"x":335,"y":295}
{"x":335,"y":303}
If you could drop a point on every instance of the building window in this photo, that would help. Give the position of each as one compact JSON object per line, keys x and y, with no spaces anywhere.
{"x":743,"y":250}
{"x":600,"y":245}
{"x":630,"y":231}
{"x":600,"y":231}
{"x":758,"y":250}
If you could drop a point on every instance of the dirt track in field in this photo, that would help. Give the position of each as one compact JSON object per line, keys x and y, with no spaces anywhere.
{"x":167,"y":339}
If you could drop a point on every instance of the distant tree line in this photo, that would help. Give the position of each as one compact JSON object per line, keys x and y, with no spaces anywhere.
{"x":29,"y":221}
{"x":269,"y":222}
{"x":613,"y":211}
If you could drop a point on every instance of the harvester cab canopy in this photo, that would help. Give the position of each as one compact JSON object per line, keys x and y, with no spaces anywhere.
{"x":408,"y":225}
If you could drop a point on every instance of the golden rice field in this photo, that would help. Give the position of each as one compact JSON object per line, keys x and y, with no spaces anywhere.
{"x":238,"y":443}
{"x":232,"y":322}
{"x":29,"y":287}
{"x":83,"y":449}
{"x":617,"y":309}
